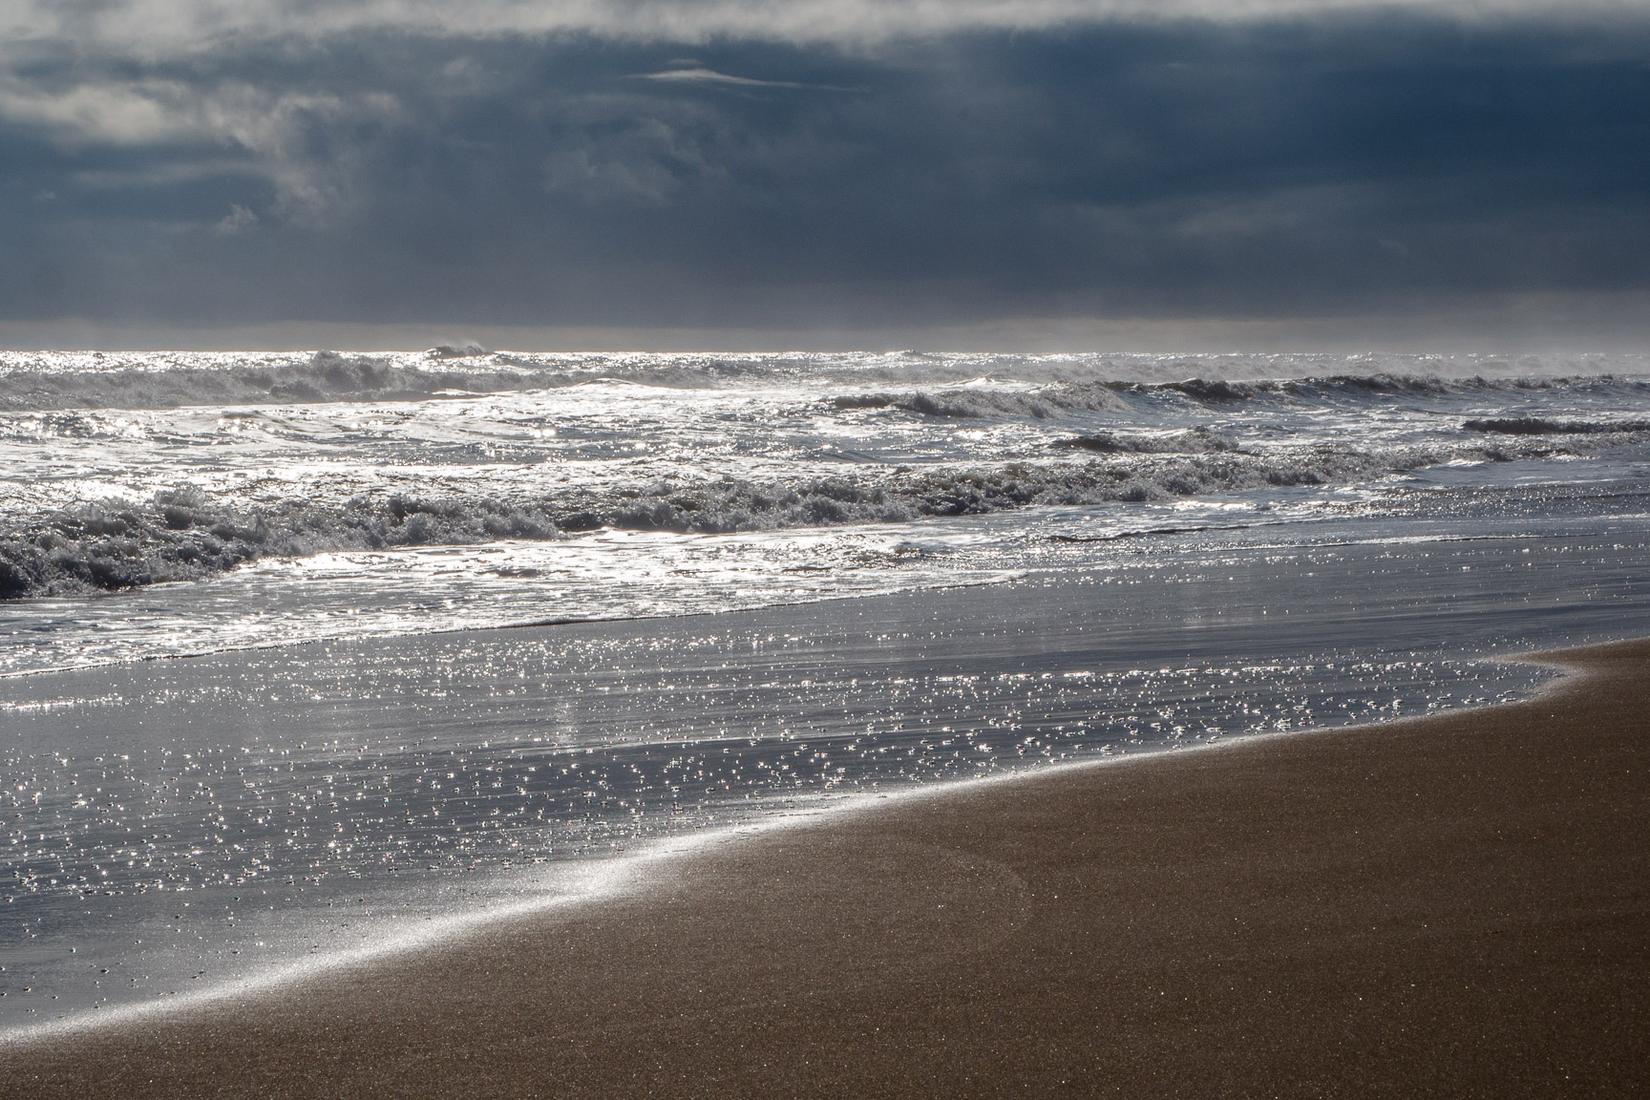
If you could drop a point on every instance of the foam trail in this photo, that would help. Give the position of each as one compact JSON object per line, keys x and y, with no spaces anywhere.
{"x":184,"y":534}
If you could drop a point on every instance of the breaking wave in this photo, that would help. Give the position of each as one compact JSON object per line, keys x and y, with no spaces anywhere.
{"x":1354,"y":387}
{"x":57,"y":382}
{"x":1339,"y":385}
{"x":1041,"y":404}
{"x":1191,"y":441}
{"x":1058,"y":398}
{"x":1535,"y":425}
{"x":745,"y":452}
{"x":182,"y":534}
{"x":928,"y":384}
{"x":324,"y":376}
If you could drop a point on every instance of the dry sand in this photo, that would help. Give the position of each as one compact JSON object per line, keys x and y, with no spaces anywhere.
{"x":1454,"y":906}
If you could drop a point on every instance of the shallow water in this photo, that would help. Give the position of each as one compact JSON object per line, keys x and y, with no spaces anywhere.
{"x":329,"y":771}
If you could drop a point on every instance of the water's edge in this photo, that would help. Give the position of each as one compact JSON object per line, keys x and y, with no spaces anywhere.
{"x":635,"y":872}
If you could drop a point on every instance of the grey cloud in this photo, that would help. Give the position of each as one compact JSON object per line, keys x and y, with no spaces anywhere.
{"x":269,"y":129}
{"x":1287,"y":168}
{"x":239,"y":220}
{"x":181,"y":26}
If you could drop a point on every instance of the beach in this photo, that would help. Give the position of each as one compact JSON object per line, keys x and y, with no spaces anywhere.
{"x":1455,"y":905}
{"x":829,"y":548}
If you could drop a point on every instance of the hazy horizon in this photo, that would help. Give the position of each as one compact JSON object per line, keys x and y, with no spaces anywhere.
{"x":1513,"y":332}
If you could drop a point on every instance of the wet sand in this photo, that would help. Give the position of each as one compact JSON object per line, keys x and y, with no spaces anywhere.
{"x":1453,"y":906}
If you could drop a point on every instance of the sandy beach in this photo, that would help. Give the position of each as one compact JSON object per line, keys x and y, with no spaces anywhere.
{"x":1457,"y":905}
{"x":723,"y":548}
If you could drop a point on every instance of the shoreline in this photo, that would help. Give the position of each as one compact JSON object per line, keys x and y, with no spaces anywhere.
{"x":605,"y":878}
{"x":180,"y":1049}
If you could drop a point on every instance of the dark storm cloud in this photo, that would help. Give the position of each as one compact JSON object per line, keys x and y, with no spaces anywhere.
{"x":1283,"y":167}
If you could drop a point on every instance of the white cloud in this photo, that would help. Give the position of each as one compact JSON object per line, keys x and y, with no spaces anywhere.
{"x":262,"y":125}
{"x":702,"y":75}
{"x":177,"y":26}
{"x":239,"y":220}
{"x":140,"y":112}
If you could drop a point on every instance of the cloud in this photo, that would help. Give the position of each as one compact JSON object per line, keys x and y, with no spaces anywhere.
{"x":698,"y":74}
{"x":1138,"y":168}
{"x":172,"y":26}
{"x":140,"y":112}
{"x":215,"y":119}
{"x":239,"y":220}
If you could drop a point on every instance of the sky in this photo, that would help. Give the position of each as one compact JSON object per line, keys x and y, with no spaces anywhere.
{"x":1034,"y":174}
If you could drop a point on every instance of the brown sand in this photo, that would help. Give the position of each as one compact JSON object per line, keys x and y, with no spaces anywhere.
{"x":1455,"y":906}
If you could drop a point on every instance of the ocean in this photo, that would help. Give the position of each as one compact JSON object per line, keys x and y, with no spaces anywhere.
{"x":305,"y":655}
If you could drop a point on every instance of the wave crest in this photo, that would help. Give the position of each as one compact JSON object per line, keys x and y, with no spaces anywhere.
{"x":324,"y":376}
{"x":182,"y":534}
{"x":1535,"y":425}
{"x":1049,"y":401}
{"x":1190,"y":441}
{"x":1042,"y":404}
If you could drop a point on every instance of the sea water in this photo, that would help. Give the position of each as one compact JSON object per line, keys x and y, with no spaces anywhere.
{"x":304,"y":651}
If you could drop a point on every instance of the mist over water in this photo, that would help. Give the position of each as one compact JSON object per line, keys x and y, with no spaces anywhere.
{"x":778,"y":579}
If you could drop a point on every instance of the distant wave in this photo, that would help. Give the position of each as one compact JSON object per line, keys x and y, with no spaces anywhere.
{"x":966,"y":403}
{"x":181,"y":534}
{"x":1535,"y":425}
{"x":1054,"y":399}
{"x":929,"y":384}
{"x":324,"y":376}
{"x":459,"y":351}
{"x":1341,"y":387}
{"x":1191,"y":441}
{"x":156,"y":381}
